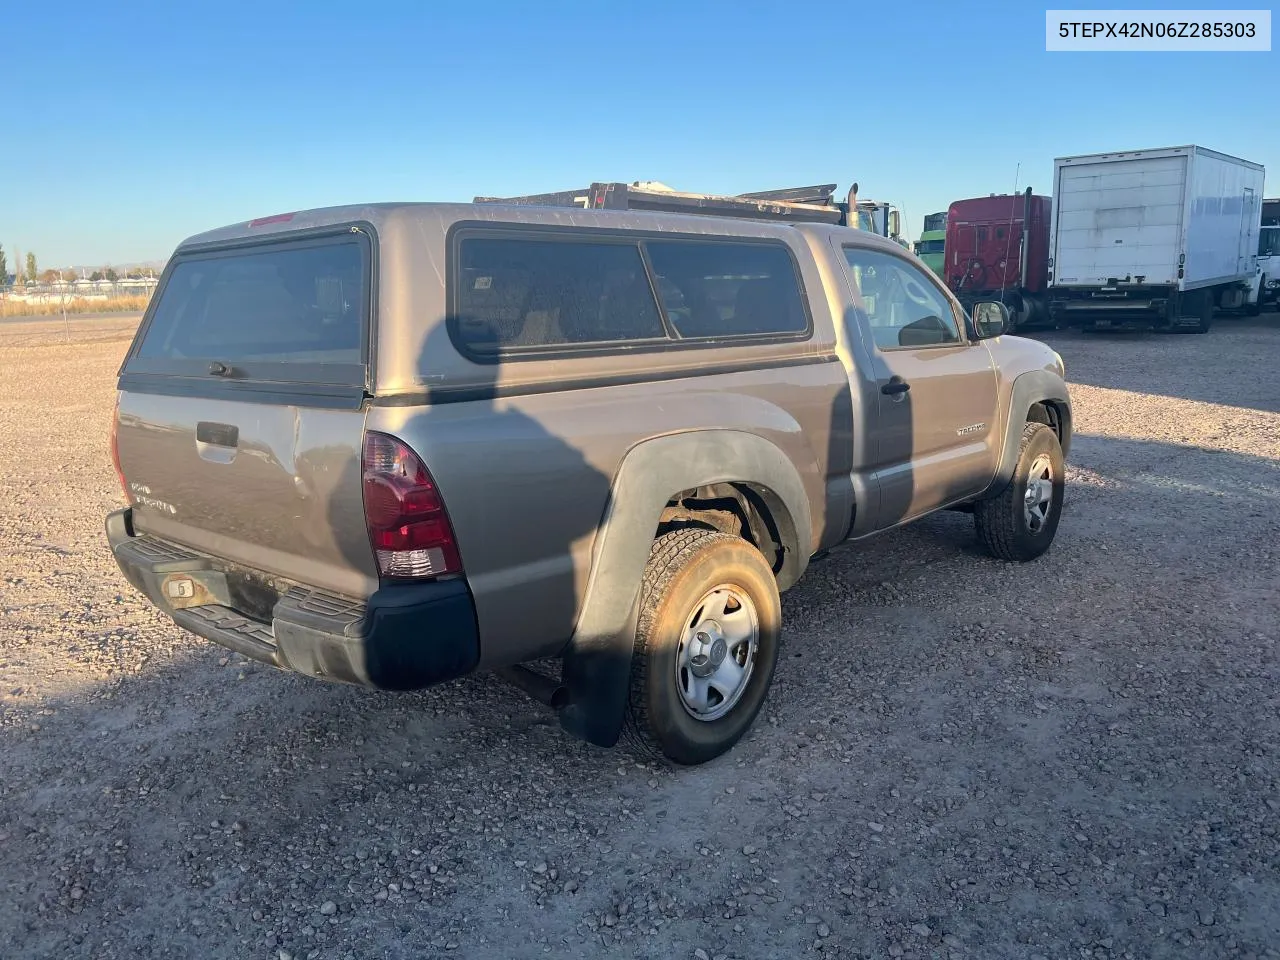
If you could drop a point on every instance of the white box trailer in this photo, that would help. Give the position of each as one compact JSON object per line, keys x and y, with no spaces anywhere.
{"x":1153,"y":237}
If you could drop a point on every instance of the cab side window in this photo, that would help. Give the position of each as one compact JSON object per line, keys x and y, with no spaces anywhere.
{"x":902,"y":305}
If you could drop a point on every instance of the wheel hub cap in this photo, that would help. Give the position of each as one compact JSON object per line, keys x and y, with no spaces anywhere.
{"x":717,"y":653}
{"x":1037,"y":501}
{"x":707,"y":652}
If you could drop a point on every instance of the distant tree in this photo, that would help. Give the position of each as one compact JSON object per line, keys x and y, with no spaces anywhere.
{"x":50,"y":276}
{"x":69,"y":276}
{"x":112,"y":275}
{"x":4,"y":268}
{"x":95,"y":276}
{"x":32,"y":272}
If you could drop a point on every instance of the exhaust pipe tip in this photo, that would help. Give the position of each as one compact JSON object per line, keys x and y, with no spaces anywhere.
{"x":544,"y":689}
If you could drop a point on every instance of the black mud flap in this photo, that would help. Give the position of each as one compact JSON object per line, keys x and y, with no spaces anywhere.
{"x":597,"y":673}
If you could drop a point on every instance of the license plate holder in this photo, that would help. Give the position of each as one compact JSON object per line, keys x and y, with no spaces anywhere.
{"x":195,"y":588}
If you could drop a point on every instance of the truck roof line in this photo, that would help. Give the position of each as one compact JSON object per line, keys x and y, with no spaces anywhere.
{"x":1195,"y":148}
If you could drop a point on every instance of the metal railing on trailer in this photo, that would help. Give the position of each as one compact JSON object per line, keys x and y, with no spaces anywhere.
{"x":816,"y":204}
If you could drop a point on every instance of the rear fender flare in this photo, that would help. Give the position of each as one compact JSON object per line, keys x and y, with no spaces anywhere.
{"x":597,"y":661}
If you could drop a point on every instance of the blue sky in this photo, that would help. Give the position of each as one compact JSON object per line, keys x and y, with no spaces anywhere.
{"x":143,"y":124}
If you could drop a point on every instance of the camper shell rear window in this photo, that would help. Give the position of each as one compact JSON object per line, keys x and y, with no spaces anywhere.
{"x":289,"y":310}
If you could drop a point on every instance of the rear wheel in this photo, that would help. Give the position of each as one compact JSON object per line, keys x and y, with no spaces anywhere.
{"x":1019,"y":312}
{"x":1020,"y":523}
{"x":706,"y":646}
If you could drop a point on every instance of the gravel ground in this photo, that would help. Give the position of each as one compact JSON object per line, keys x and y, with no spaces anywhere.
{"x":1072,"y":758}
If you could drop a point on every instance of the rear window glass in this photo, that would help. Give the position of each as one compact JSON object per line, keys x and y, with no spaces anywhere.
{"x":284,"y":304}
{"x":526,"y":293}
{"x":717,"y":288}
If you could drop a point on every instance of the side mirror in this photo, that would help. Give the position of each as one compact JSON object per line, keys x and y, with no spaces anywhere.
{"x":990,"y":319}
{"x":894,"y":223}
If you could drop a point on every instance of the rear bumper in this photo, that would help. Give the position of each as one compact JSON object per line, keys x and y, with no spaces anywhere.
{"x":403,"y":637}
{"x":1116,"y":314}
{"x":1132,"y":306}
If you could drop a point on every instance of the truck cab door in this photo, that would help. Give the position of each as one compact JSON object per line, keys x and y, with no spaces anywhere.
{"x":934,"y":439}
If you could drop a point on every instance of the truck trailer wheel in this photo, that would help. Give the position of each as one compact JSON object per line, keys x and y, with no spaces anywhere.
{"x":1020,"y":523}
{"x":706,"y":646}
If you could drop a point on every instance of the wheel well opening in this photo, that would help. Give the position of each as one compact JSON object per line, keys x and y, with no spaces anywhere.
{"x":1047,"y":413}
{"x":736,"y":508}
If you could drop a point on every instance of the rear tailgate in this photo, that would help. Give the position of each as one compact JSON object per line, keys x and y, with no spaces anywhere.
{"x":1119,"y":218}
{"x":241,"y":412}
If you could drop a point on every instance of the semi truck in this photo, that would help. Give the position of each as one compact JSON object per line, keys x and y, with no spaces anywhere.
{"x":1153,"y":239}
{"x":817,"y":203}
{"x":932,"y":243}
{"x":997,"y":248}
{"x":879,"y":216}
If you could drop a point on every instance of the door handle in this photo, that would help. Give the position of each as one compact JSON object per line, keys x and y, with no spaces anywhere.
{"x":217,"y":442}
{"x":217,"y":434}
{"x":895,"y":387}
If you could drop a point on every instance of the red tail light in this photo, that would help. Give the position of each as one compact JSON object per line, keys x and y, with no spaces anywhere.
{"x":410,"y":531}
{"x":115,"y":448}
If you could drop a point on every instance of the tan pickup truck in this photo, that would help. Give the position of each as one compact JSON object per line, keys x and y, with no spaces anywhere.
{"x":394,"y":444}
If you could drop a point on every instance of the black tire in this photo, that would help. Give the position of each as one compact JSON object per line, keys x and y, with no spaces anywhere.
{"x":1255,"y":308}
{"x":684,"y":567}
{"x":1017,"y":318}
{"x":1002,"y":522}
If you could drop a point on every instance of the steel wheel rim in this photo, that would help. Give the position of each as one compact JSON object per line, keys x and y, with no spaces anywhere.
{"x":1037,"y":500}
{"x":717,"y":652}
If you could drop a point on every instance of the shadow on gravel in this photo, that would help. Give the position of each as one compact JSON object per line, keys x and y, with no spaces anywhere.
{"x":187,"y":811}
{"x":1179,"y":479}
{"x":210,"y":805}
{"x":1162,"y":363}
{"x":1180,"y":484}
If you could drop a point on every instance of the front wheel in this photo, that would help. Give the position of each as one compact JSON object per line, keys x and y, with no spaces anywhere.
{"x":1254,"y":308}
{"x":1019,"y":524}
{"x":706,"y":645}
